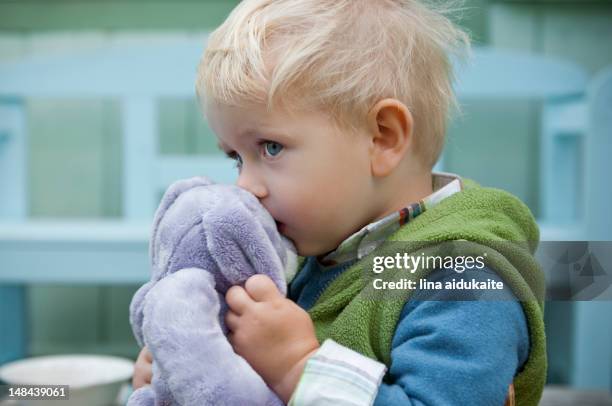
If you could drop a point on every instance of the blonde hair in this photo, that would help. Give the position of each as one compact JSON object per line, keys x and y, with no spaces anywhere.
{"x":340,"y":56}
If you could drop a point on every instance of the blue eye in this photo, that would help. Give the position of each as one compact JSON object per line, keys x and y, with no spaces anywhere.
{"x":272,"y":148}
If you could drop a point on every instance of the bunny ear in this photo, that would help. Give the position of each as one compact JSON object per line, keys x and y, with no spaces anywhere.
{"x":170,"y":196}
{"x":240,"y":245}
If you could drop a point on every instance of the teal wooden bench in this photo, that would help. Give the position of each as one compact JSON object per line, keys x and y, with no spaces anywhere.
{"x":575,"y":139}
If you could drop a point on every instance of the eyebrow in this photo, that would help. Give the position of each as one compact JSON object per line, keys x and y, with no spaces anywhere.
{"x":248,"y":132}
{"x":244,"y":133}
{"x":255,"y":133}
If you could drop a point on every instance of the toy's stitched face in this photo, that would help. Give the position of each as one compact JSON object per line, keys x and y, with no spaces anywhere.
{"x":313,"y":179}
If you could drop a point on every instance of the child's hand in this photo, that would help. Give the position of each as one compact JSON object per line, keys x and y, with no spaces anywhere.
{"x":271,"y":332}
{"x":143,"y":369}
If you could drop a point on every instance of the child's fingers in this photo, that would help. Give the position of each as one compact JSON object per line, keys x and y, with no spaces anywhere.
{"x":261,"y":288}
{"x":147,"y":354}
{"x":143,"y":369}
{"x":237,"y":299}
{"x":231,"y":320}
{"x":142,"y":376}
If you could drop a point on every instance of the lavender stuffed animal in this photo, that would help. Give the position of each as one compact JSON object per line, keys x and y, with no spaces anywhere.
{"x":206,"y":238}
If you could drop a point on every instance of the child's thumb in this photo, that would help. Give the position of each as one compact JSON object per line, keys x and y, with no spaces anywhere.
{"x":261,"y":288}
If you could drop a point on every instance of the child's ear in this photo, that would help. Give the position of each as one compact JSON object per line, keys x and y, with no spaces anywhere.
{"x":390,"y":124}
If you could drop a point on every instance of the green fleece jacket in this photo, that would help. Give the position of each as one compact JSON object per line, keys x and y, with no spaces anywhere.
{"x":490,"y":223}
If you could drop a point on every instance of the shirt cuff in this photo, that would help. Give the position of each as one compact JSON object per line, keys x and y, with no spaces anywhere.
{"x":337,"y":375}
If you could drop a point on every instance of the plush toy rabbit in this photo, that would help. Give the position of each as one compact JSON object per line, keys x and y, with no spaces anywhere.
{"x":206,"y":237}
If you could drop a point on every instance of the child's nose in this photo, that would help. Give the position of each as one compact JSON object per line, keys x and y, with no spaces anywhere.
{"x":250,"y":182}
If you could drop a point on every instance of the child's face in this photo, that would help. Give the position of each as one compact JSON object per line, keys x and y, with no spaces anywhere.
{"x":314,"y":180}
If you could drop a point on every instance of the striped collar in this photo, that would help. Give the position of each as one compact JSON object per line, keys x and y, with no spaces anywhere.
{"x":364,"y":241}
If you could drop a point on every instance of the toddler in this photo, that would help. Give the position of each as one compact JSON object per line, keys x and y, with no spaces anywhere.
{"x":335,"y":113}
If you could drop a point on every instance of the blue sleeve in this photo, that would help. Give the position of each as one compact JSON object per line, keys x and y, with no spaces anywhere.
{"x":455,"y":352}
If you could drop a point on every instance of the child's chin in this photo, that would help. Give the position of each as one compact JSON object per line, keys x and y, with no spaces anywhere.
{"x":301,"y":249}
{"x":304,"y":250}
